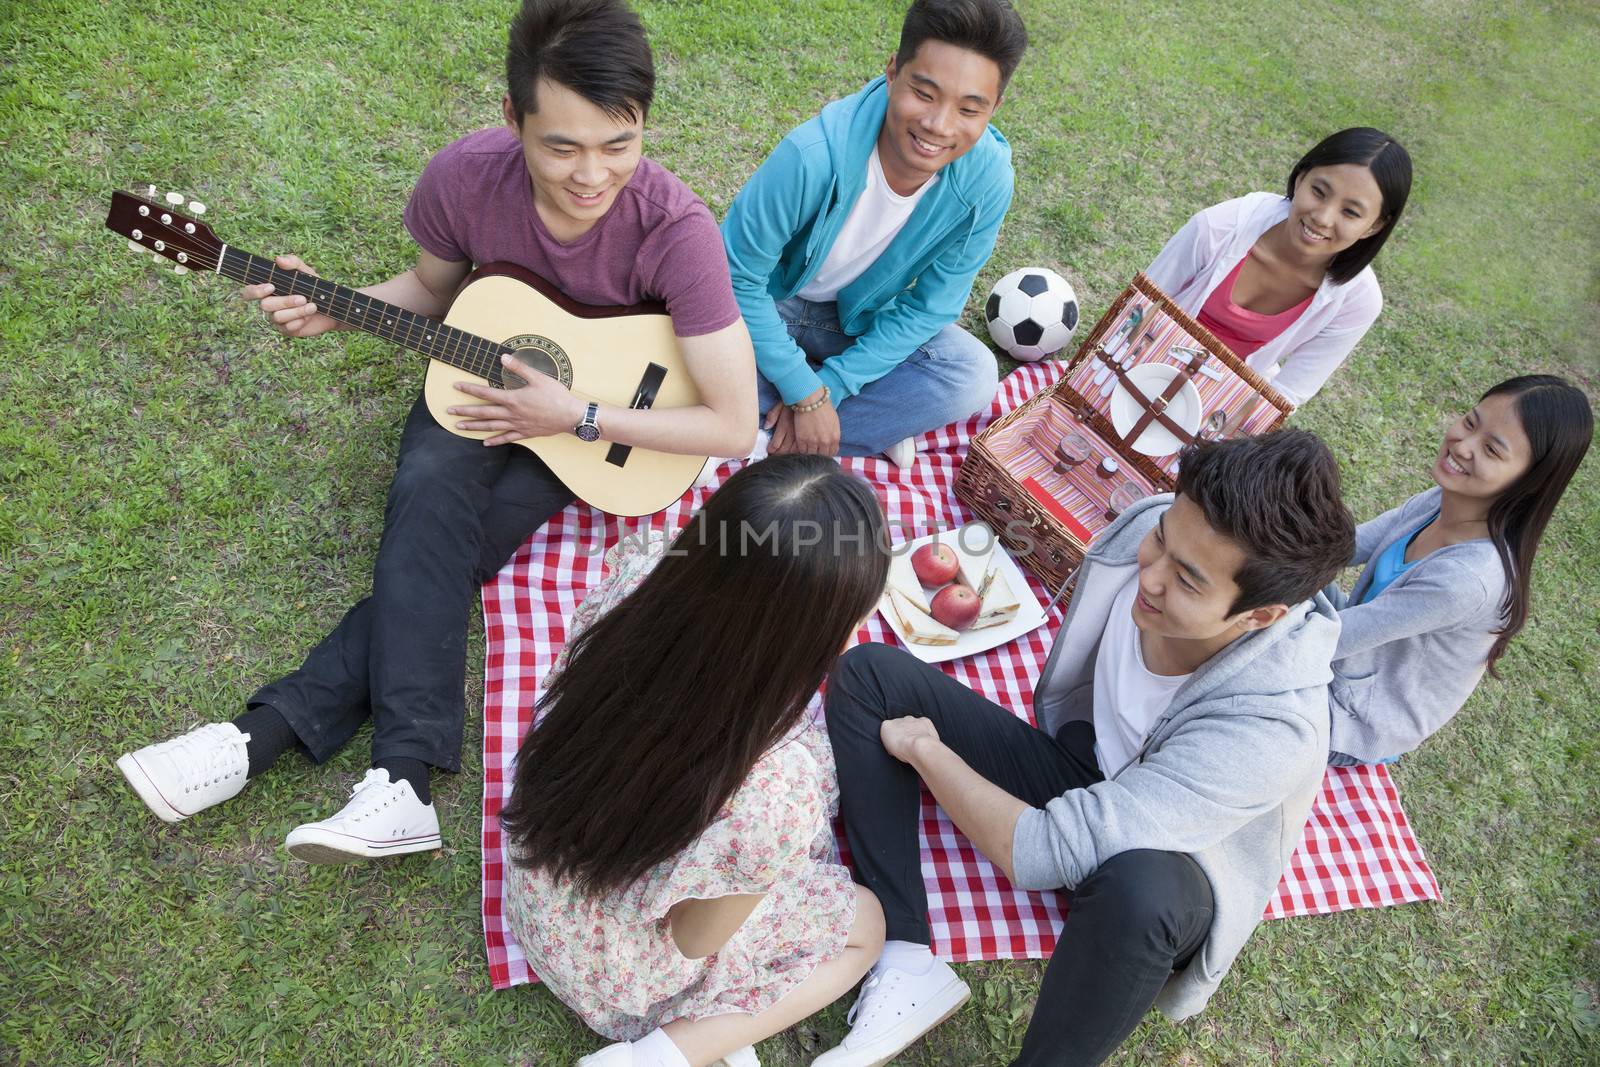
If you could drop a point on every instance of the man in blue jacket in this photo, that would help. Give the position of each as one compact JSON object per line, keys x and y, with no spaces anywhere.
{"x":854,"y":246}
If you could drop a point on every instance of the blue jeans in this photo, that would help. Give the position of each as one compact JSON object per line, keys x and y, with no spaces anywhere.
{"x":951,"y":376}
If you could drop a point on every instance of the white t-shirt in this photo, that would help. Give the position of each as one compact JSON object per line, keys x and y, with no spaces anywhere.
{"x":879,"y":213}
{"x":1128,"y":699}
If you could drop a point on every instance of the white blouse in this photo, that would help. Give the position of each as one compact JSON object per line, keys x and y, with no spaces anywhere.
{"x":1199,"y":256}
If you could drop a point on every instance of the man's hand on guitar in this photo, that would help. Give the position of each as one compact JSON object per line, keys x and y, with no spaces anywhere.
{"x":541,"y":408}
{"x":292,"y":316}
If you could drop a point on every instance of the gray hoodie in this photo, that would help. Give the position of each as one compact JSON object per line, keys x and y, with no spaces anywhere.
{"x":1227,"y":775}
{"x":1411,"y":657}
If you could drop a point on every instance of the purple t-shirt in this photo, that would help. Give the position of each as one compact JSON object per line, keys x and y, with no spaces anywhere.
{"x":474,"y":202}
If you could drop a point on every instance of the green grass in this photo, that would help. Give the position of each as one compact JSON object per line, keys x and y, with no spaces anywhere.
{"x":188,"y":501}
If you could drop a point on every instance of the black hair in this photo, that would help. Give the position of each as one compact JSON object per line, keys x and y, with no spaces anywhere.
{"x":1276,"y":497}
{"x":669,"y":699}
{"x":991,"y":28}
{"x":1560,"y":424}
{"x":596,"y":48}
{"x":1390,"y":164}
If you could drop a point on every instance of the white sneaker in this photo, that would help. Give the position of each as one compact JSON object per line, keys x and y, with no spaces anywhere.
{"x":707,"y":475}
{"x":618,"y":1055}
{"x":758,"y":451}
{"x":621,"y":1055}
{"x":902,"y":453}
{"x":190,"y":773}
{"x":894,"y":1009}
{"x":383,"y":818}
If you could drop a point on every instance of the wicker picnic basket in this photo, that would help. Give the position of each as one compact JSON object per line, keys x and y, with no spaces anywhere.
{"x":1147,"y":366}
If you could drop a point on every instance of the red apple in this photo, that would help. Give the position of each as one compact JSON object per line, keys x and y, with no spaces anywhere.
{"x":956,"y":606}
{"x":934,"y":565}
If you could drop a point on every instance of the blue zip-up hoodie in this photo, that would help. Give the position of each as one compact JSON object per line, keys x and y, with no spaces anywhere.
{"x":784,"y":221}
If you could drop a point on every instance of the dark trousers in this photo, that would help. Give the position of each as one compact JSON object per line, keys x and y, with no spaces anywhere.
{"x":457,"y":510}
{"x":1130,"y":924}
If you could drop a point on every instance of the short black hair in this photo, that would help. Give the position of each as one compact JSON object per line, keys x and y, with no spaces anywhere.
{"x":991,"y":28}
{"x":1390,"y":164}
{"x":1277,"y":498}
{"x":596,"y":48}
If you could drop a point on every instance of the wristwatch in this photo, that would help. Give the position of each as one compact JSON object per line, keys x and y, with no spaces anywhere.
{"x":588,"y":429}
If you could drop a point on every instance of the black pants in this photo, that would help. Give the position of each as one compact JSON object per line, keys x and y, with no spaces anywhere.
{"x":456,"y":512}
{"x":1133,"y":921}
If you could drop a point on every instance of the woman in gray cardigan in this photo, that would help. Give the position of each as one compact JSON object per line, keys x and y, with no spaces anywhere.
{"x":1446,"y":581}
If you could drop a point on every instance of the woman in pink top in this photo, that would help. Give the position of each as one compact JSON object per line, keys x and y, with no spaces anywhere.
{"x":1286,"y":281}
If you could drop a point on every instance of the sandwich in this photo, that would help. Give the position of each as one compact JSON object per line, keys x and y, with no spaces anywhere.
{"x":903,"y":579}
{"x":1000,"y":605}
{"x":916,"y":625}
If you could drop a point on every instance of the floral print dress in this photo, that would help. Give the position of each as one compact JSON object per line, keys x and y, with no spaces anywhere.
{"x":612,"y":959}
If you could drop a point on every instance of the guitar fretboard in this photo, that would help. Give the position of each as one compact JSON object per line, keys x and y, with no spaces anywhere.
{"x":468,"y":351}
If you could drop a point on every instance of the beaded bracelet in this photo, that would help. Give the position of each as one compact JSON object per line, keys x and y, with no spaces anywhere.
{"x":806,"y":409}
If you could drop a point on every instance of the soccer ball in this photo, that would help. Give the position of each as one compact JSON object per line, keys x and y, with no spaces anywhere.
{"x":1031,"y":313}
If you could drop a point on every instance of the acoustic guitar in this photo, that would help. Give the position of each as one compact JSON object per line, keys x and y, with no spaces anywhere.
{"x":621,"y":356}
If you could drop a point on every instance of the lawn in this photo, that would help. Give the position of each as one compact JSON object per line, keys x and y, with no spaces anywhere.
{"x":188,"y":501}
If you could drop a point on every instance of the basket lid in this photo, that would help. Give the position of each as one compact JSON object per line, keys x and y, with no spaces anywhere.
{"x":1151,"y":378}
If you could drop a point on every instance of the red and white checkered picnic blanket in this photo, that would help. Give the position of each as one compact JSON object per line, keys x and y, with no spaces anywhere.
{"x":1357,"y":852}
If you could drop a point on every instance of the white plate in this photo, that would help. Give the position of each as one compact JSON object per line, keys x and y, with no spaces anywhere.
{"x":1030,"y":613}
{"x":1183,"y":409}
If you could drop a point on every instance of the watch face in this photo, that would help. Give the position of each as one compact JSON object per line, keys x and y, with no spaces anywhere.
{"x":588,"y":433}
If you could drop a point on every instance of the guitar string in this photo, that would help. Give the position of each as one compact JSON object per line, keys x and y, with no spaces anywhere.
{"x":481,"y":356}
{"x":471,"y":353}
{"x":475,"y":355}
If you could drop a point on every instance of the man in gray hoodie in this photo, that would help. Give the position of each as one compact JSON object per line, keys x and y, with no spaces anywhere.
{"x":1183,"y":734}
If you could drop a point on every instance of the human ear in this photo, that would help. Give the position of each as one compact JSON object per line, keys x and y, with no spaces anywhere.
{"x":891,"y":68}
{"x":1377,"y":227}
{"x":509,"y":112}
{"x":1261,"y":618}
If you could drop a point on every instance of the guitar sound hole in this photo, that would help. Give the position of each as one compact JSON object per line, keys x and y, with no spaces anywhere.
{"x":534,"y":360}
{"x":540,"y":355}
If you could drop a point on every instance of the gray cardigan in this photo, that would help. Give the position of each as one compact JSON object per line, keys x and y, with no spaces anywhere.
{"x":1408,"y":660}
{"x":1227,"y":775}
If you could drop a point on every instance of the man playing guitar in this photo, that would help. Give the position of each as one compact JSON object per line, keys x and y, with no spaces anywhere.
{"x":562,"y":188}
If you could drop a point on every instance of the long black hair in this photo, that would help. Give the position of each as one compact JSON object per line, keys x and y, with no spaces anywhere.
{"x":1390,"y":165}
{"x":669,"y":700}
{"x":1559,"y":423}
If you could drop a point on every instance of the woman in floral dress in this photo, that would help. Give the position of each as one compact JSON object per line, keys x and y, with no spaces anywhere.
{"x":672,"y":879}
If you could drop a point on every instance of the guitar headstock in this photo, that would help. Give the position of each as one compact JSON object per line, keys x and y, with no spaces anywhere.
{"x":155,"y":225}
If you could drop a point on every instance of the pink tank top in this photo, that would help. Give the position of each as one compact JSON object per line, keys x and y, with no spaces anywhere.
{"x":1241,"y":329}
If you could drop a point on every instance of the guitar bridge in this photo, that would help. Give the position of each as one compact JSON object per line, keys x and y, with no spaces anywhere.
{"x":644,"y":398}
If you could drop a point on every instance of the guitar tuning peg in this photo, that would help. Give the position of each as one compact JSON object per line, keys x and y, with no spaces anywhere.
{"x":174,"y":198}
{"x":152,"y":192}
{"x":197,"y":207}
{"x":179,"y":268}
{"x":135,"y":246}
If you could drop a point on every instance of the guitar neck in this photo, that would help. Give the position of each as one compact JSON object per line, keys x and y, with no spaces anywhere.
{"x":466,"y":351}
